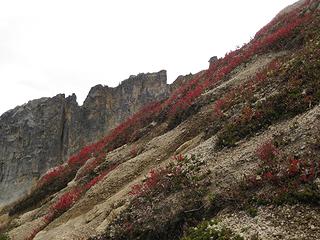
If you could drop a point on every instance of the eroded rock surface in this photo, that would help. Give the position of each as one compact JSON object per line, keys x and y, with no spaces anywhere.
{"x":44,"y":132}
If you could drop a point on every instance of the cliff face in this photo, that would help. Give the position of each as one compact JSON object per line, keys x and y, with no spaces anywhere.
{"x":106,"y":107}
{"x":44,"y":132}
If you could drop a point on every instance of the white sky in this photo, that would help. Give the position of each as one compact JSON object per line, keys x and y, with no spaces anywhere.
{"x":65,"y":46}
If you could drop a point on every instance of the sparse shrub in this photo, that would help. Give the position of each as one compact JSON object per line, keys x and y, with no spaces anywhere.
{"x":33,"y":234}
{"x":267,"y":153}
{"x":291,"y":179}
{"x":65,"y":201}
{"x":252,"y":211}
{"x":294,"y":167}
{"x":151,"y":181}
{"x":179,"y":158}
{"x":52,"y":174}
{"x":211,"y":230}
{"x":4,"y":236}
{"x":218,"y":106}
{"x":133,"y":152}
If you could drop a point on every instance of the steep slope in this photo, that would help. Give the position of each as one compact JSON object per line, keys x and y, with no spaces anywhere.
{"x":237,"y":145}
{"x":45,"y":132}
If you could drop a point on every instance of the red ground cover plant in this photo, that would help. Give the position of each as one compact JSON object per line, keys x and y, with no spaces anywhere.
{"x":161,"y":179}
{"x":294,"y":167}
{"x":133,"y":152}
{"x":279,"y":29}
{"x":69,"y":198}
{"x":52,"y":174}
{"x":267,"y":152}
{"x":285,"y":172}
{"x":247,"y":113}
{"x":218,"y":106}
{"x":273,"y":35}
{"x":65,"y":202}
{"x":151,"y":181}
{"x":179,"y":158}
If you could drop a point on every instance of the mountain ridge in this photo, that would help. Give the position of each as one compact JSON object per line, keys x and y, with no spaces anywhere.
{"x":62,"y":127}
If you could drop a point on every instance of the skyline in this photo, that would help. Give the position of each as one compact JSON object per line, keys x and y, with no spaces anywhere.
{"x":70,"y":46}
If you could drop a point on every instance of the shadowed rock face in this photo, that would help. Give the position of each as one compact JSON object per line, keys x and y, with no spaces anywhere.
{"x":45,"y":132}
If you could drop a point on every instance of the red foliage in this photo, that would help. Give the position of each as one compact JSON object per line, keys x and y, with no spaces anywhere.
{"x":267,"y":152}
{"x":279,"y":29}
{"x":66,"y":201}
{"x":217,"y":107}
{"x":269,"y":176}
{"x":179,"y":158}
{"x":33,"y":234}
{"x":152,"y":180}
{"x":294,"y":167}
{"x":247,"y":114}
{"x":272,"y":35}
{"x":133,"y":152}
{"x":136,"y":189}
{"x":52,"y":174}
{"x":183,"y":97}
{"x":84,"y":154}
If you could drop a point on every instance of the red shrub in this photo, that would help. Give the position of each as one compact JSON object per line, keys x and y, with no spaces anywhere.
{"x":179,"y":158}
{"x":66,"y":201}
{"x":52,"y":175}
{"x":270,"y":177}
{"x":247,"y":114}
{"x":35,"y":232}
{"x":294,"y":167}
{"x":152,"y":180}
{"x":267,"y":152}
{"x":136,"y":189}
{"x":82,"y":156}
{"x":183,"y":97}
{"x":133,"y":152}
{"x":217,"y":107}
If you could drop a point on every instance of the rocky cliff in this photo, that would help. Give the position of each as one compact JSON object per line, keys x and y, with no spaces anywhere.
{"x":44,"y":132}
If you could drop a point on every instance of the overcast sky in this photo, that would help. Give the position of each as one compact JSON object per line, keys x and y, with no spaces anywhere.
{"x":66,"y":46}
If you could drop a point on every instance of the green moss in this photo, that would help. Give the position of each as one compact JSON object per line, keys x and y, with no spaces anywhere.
{"x":252,"y":211}
{"x":4,"y":236}
{"x":307,"y":195}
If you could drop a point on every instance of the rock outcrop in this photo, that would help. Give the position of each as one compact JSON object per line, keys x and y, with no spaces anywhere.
{"x":44,"y":132}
